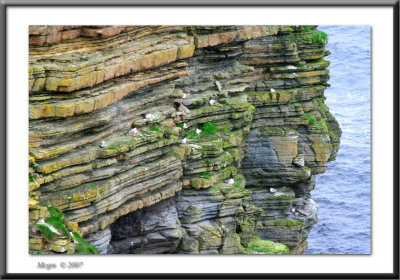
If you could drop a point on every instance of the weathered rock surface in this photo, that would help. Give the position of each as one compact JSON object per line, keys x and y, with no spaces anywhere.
{"x":179,"y":139}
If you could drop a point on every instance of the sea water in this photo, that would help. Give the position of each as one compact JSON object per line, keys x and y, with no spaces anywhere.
{"x":343,"y":192}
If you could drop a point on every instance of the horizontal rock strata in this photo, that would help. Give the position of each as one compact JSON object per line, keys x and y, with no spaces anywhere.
{"x":179,"y":139}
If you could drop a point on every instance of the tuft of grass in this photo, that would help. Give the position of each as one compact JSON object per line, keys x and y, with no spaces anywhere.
{"x":320,"y":37}
{"x":206,"y":175}
{"x":31,"y":178}
{"x":47,"y":232}
{"x":179,"y":125}
{"x":55,"y":212}
{"x":38,"y":253}
{"x":58,"y":224}
{"x":191,"y":134}
{"x":92,"y":186}
{"x":154,"y":128}
{"x":237,"y":184}
{"x":310,"y":119}
{"x":125,"y":133}
{"x":208,"y":129}
{"x":252,"y":109}
{"x":35,"y":166}
{"x":306,"y":28}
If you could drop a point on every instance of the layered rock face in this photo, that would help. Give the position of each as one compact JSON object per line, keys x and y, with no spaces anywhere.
{"x":178,"y":139}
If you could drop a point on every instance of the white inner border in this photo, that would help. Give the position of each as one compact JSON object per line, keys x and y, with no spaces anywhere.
{"x":381,"y":20}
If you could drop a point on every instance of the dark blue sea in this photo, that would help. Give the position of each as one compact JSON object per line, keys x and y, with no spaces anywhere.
{"x":343,"y":192}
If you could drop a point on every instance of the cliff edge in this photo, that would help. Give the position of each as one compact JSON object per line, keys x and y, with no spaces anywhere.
{"x":176,"y":139}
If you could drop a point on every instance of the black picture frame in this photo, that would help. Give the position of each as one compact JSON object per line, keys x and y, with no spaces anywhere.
{"x":5,"y":4}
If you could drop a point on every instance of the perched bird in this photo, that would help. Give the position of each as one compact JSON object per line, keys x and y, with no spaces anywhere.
{"x":184,"y":125}
{"x":41,"y":222}
{"x":184,"y":95}
{"x":272,"y":90}
{"x":133,"y":131}
{"x":229,"y":181}
{"x":213,"y":101}
{"x":293,"y":210}
{"x":273,"y":190}
{"x":294,"y":75}
{"x":198,"y":131}
{"x":291,"y":67}
{"x":148,"y":116}
{"x":184,"y":140}
{"x":103,"y":144}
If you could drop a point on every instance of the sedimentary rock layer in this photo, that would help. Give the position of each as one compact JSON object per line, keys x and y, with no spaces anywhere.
{"x":178,"y":139}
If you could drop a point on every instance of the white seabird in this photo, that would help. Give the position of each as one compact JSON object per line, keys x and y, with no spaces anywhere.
{"x":272,"y":90}
{"x":184,"y":96}
{"x":294,"y":75}
{"x":133,"y":131}
{"x":229,"y":181}
{"x":273,"y":190}
{"x":291,"y":67}
{"x":184,"y":125}
{"x":198,"y":131}
{"x":293,"y":210}
{"x":213,"y":101}
{"x":103,"y":144}
{"x":148,"y":116}
{"x":184,"y":140}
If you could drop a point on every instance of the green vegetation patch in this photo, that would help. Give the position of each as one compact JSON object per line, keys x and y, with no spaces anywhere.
{"x":55,"y":212}
{"x":31,"y":178}
{"x":320,"y":37}
{"x":84,"y":247}
{"x":47,"y":232}
{"x":209,"y":129}
{"x":179,"y":125}
{"x":259,"y":246}
{"x":206,"y":175}
{"x":113,"y":148}
{"x":266,"y":246}
{"x":307,"y":116}
{"x":306,"y":28}
{"x":154,"y":128}
{"x":58,"y":224}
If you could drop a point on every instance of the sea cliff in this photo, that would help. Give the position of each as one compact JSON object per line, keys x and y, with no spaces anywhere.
{"x":176,"y":139}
